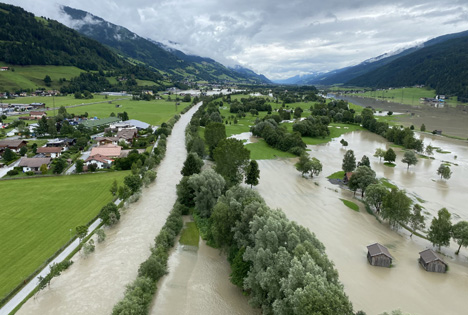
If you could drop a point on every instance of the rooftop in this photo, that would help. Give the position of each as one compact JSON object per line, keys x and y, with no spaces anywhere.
{"x":377,"y":249}
{"x":34,"y":162}
{"x":107,"y":150}
{"x":428,"y":256}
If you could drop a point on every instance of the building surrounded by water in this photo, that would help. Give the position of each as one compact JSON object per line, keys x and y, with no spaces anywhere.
{"x":378,"y":255}
{"x":431,"y":262}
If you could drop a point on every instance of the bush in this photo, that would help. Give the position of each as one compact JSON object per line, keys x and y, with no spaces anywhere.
{"x":101,"y":235}
{"x":137,"y":297}
{"x":12,"y":172}
{"x":154,"y":267}
{"x":30,"y":173}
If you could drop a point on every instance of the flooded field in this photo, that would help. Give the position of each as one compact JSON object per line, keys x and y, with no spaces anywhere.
{"x":346,"y":233}
{"x":198,"y":283}
{"x":93,"y":285}
{"x":452,"y":121}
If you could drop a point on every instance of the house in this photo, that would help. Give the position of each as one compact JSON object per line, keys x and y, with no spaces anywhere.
{"x":127,"y":135}
{"x":108,"y":150}
{"x":52,"y":152}
{"x":101,"y":161}
{"x":378,"y":255}
{"x":107,"y":140}
{"x":431,"y":262}
{"x":13,"y":145}
{"x":37,"y":114}
{"x":4,"y":68}
{"x":38,"y":105}
{"x":140,"y":125}
{"x":33,"y":164}
{"x":61,"y":143}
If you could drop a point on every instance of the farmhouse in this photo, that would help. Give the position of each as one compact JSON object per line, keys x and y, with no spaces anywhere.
{"x":431,"y":262}
{"x":106,"y":140}
{"x":14,"y":145}
{"x":378,"y":255}
{"x":33,"y":164}
{"x":37,"y":114}
{"x":127,"y":135}
{"x":51,"y":152}
{"x":347,"y":177}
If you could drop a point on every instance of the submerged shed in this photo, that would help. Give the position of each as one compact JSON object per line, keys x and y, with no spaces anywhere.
{"x":378,"y":255}
{"x":431,"y":262}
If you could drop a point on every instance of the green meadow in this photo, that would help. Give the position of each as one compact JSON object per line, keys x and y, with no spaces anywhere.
{"x":37,"y":214}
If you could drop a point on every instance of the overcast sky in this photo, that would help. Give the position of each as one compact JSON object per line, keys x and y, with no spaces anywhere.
{"x":278,"y":38}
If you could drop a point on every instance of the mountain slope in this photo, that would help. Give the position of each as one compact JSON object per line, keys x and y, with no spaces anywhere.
{"x":346,"y":74}
{"x":442,"y":66}
{"x":154,"y":54}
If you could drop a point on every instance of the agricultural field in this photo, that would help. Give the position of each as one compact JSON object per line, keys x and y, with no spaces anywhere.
{"x":65,"y":101}
{"x":31,"y":77}
{"x":37,"y":214}
{"x":152,"y":112}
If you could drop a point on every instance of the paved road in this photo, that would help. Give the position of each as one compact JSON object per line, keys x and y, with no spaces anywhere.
{"x":21,"y":295}
{"x":5,"y":169}
{"x":72,"y":168}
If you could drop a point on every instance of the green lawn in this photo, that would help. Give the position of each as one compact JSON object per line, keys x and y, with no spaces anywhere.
{"x":37,"y":214}
{"x":190,"y":235}
{"x":350,"y":204}
{"x":60,"y":100}
{"x":337,"y":175}
{"x":262,"y":151}
{"x":152,"y":112}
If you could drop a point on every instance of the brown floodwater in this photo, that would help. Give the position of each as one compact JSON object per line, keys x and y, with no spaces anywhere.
{"x":198,"y":283}
{"x":451,"y":120}
{"x":315,"y":204}
{"x":95,"y":284}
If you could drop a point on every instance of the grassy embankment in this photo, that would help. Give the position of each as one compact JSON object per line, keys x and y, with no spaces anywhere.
{"x":350,"y":205}
{"x":190,"y":235}
{"x":37,"y":214}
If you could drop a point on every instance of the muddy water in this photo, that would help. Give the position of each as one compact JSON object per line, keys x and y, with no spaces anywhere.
{"x":93,"y":285}
{"x":452,"y":121}
{"x":346,"y":233}
{"x":198,"y":283}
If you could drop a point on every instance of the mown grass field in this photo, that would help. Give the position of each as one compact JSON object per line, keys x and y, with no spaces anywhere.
{"x":31,"y":77}
{"x":61,"y":100}
{"x":37,"y":214}
{"x":152,"y":112}
{"x":190,"y":235}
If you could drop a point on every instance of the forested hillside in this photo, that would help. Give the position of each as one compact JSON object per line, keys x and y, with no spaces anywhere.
{"x":443,"y":67}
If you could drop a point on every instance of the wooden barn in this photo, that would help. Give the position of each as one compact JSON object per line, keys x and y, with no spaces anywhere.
{"x":378,"y":255}
{"x":431,"y":262}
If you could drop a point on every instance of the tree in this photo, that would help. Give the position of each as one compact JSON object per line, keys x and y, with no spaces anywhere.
{"x":304,"y":165}
{"x":133,"y":182}
{"x":101,"y":235}
{"x":380,"y":153}
{"x":396,"y":207}
{"x":207,"y":186}
{"x":441,"y":229}
{"x":416,"y":221}
{"x":364,"y":161}
{"x":410,"y":158}
{"x":349,"y":161}
{"x":81,"y":231}
{"x":197,"y":145}
{"x":47,"y":80}
{"x":430,"y":150}
{"x":390,"y":156}
{"x":44,"y":169}
{"x":231,"y":159}
{"x":192,"y":165}
{"x":214,"y":133}
{"x":79,"y":166}
{"x":51,"y":127}
{"x":109,"y":214}
{"x":361,"y":178}
{"x":59,"y":166}
{"x":375,"y":194}
{"x":460,"y":234}
{"x":114,"y":188}
{"x":23,"y":151}
{"x":9,"y":155}
{"x":423,"y":127}
{"x":123,"y":116}
{"x":344,"y":143}
{"x":252,"y":174}
{"x":316,"y":167}
{"x":444,"y":171}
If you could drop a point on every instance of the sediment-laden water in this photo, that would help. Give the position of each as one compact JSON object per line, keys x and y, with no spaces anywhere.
{"x":315,"y":204}
{"x":93,"y":285}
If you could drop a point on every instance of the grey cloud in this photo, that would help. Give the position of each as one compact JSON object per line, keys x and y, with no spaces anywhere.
{"x":275,"y":37}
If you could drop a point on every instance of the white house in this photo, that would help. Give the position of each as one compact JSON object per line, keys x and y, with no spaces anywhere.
{"x":101,"y":161}
{"x":33,"y":164}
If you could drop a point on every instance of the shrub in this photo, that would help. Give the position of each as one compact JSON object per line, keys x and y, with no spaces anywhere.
{"x":154,"y":267}
{"x":12,"y":172}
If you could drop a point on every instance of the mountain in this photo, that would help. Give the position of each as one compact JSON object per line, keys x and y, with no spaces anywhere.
{"x":345,"y":75}
{"x":442,"y":66}
{"x":154,"y":54}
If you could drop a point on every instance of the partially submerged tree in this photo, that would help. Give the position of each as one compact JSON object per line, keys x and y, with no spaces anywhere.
{"x":252,"y":174}
{"x":396,"y":207}
{"x":444,"y":171}
{"x":441,"y":228}
{"x":231,"y":159}
{"x":361,"y":178}
{"x":380,"y":153}
{"x":390,"y":156}
{"x":364,"y":161}
{"x":304,"y":164}
{"x":416,"y":221}
{"x":375,"y":194}
{"x":349,"y":161}
{"x":410,"y":158}
{"x":460,"y":234}
{"x":207,"y":186}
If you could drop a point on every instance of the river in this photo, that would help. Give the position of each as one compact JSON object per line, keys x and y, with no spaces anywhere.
{"x":93,"y":285}
{"x":315,"y":204}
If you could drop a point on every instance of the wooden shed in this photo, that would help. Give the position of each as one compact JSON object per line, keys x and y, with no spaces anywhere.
{"x":378,"y":255}
{"x":431,"y":262}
